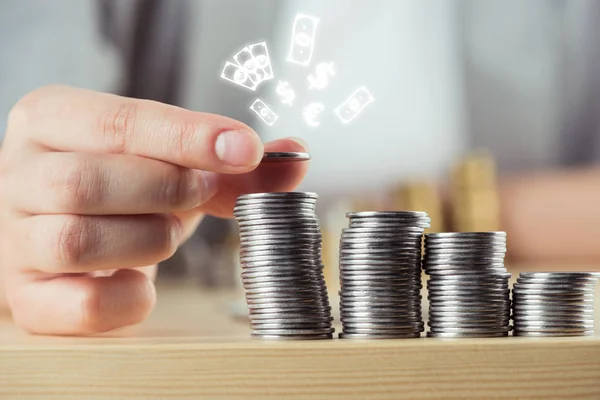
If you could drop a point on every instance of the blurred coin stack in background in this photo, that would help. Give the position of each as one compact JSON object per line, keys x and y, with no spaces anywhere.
{"x":554,"y":304}
{"x":468,"y":286}
{"x":474,"y":194}
{"x":282,"y":270}
{"x":380,"y":275}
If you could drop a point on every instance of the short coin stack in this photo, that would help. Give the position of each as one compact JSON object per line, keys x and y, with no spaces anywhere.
{"x":468,"y":287}
{"x":380,"y":275}
{"x":282,"y":270}
{"x":554,"y":304}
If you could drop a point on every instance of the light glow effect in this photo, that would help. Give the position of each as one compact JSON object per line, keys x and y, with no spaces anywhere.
{"x":238,"y":75}
{"x":286,"y":93}
{"x":303,"y":39}
{"x":311,"y":112}
{"x":252,"y":67}
{"x":264,"y":112}
{"x":321,"y":77}
{"x":354,"y":105}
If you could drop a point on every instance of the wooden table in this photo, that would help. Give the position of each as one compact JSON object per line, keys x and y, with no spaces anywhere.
{"x":191,"y":347}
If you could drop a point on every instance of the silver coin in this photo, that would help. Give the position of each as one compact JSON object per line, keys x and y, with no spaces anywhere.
{"x":306,"y":331}
{"x":269,"y":157}
{"x":378,"y":336}
{"x":553,"y":334}
{"x":553,"y":304}
{"x":463,"y":335}
{"x":291,"y":337}
{"x":464,"y":235}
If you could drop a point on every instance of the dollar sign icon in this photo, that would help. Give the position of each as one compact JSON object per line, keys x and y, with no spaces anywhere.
{"x":286,"y":93}
{"x":321,"y":77}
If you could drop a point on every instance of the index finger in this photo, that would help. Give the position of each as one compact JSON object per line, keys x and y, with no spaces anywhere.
{"x":76,"y":120}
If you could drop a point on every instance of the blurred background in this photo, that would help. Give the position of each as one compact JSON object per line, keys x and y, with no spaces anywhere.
{"x":485,"y":115}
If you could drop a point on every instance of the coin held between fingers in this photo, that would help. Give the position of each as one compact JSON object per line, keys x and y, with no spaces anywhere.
{"x":275,"y":156}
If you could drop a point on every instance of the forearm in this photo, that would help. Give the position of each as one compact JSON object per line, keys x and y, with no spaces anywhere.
{"x":553,"y":216}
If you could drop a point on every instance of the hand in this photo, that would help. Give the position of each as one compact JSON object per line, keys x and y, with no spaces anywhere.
{"x":94,"y":186}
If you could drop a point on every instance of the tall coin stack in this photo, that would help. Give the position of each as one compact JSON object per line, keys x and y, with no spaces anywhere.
{"x":282,"y":271}
{"x":554,"y":304}
{"x":380,"y":275}
{"x":468,"y":286}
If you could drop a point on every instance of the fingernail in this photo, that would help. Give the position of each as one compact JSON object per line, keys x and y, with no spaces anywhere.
{"x":239,"y":148}
{"x":300,"y":142}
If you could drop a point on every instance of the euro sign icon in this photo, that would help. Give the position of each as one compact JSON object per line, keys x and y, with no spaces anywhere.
{"x":311,"y":112}
{"x":321,"y":78}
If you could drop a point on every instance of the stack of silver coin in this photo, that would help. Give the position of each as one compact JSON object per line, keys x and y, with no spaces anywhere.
{"x":554,"y":304}
{"x":380,"y":275}
{"x":468,"y":286}
{"x":282,"y":269}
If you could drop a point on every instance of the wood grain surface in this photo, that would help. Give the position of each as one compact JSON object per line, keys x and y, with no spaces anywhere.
{"x":192,"y":347}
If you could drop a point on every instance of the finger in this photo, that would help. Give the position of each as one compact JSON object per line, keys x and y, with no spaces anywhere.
{"x":77,"y":120}
{"x":76,"y":244}
{"x":104,"y":184}
{"x":81,"y":305}
{"x":268,"y":177}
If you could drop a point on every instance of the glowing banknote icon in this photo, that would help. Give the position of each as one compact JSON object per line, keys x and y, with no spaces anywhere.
{"x":252,"y":67}
{"x":263,"y":61}
{"x":248,"y":63}
{"x":264,"y":112}
{"x":238,"y":75}
{"x":256,"y":62}
{"x":303,"y":39}
{"x":354,"y":104}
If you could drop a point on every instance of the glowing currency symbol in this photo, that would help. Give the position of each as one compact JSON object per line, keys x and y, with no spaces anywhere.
{"x":354,"y":104}
{"x":253,"y":66}
{"x":263,"y":61}
{"x":321,"y":77}
{"x":264,"y":112}
{"x":245,"y":59}
{"x":311,"y":112}
{"x":256,"y":61}
{"x":236,"y":74}
{"x":303,"y":39}
{"x":286,"y":93}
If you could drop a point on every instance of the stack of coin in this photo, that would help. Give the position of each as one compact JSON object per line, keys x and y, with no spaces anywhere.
{"x":468,"y":286}
{"x":380,"y":275}
{"x":282,"y":270}
{"x":554,"y":304}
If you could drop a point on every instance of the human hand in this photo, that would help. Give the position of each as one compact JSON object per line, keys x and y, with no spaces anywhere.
{"x":93,"y":187}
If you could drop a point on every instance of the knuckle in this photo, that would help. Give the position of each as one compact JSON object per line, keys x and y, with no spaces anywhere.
{"x":28,"y":105}
{"x":78,"y":188}
{"x":168,"y":237}
{"x":117,"y":126}
{"x":174,"y":188}
{"x":72,"y":242}
{"x":184,"y":133}
{"x":17,"y":116}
